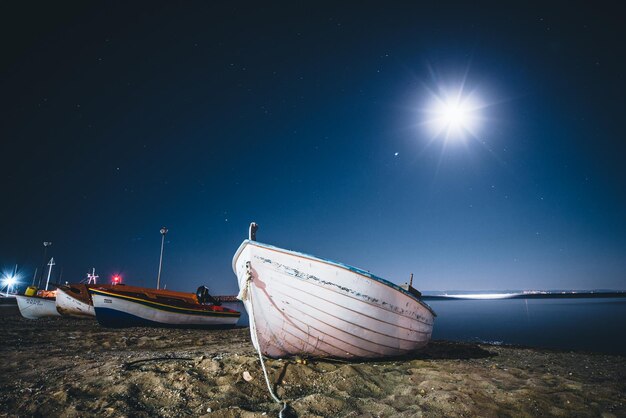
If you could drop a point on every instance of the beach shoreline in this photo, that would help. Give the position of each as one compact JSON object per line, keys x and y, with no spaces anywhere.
{"x":67,"y":367}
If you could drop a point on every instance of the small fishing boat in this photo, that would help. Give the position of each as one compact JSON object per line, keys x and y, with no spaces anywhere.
{"x":299,"y":304}
{"x":75,"y":300}
{"x":35,"y":304}
{"x":126,"y":306}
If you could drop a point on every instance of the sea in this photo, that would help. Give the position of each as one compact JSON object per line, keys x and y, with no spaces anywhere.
{"x":557,"y":321}
{"x":589,"y":322}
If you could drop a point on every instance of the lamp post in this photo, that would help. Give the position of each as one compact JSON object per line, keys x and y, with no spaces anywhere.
{"x":10,"y":282}
{"x":163,"y":232}
{"x":46,"y":244}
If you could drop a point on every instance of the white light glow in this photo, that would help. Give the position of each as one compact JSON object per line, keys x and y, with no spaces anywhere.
{"x":9,"y":281}
{"x":453,"y":114}
{"x":484,"y":296}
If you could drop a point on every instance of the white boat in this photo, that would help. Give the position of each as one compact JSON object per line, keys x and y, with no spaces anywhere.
{"x":299,"y":304}
{"x":74,"y":300}
{"x":35,"y":307}
{"x":35,"y":304}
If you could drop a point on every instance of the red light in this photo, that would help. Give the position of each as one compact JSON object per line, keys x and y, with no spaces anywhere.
{"x":117,"y":279}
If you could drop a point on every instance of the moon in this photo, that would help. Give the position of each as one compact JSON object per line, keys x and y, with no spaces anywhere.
{"x":453,"y":115}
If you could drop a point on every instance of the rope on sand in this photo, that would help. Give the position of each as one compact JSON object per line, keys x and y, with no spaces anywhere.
{"x":129,"y":365}
{"x":246,"y":295}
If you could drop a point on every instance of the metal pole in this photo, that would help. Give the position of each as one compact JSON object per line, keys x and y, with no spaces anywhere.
{"x":51,"y":263}
{"x":34,"y":277}
{"x":46,"y":244}
{"x":163,"y":232}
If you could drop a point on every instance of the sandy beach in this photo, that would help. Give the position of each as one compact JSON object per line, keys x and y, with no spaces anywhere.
{"x":64,"y":367}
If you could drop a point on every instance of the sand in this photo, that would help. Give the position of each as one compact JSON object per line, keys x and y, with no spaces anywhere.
{"x":71,"y":367}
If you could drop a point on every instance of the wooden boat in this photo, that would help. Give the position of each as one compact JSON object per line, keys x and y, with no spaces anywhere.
{"x":124,"y":306}
{"x":34,"y":303}
{"x":75,"y":300}
{"x":38,"y":304}
{"x":299,"y":304}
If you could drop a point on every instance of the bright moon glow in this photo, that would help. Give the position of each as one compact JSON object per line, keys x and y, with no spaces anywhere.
{"x":453,"y":116}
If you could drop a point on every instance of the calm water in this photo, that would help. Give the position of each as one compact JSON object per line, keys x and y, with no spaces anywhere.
{"x":592,"y":324}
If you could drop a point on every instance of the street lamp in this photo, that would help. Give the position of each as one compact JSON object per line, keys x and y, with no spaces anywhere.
{"x":9,"y":282}
{"x":163,"y":232}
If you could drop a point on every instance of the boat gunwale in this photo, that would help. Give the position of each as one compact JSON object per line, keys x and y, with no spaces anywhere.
{"x":36,"y":297}
{"x":347,"y":267}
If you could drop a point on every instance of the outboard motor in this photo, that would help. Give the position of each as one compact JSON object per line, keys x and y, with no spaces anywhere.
{"x":205,"y":298}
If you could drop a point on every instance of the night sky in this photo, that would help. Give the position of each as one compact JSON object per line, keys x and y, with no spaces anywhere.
{"x":118,"y":119}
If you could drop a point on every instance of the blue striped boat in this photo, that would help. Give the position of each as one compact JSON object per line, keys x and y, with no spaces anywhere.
{"x":128,"y":306}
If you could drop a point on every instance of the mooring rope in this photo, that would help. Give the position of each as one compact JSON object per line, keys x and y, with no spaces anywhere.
{"x":130,"y":364}
{"x":246,"y":294}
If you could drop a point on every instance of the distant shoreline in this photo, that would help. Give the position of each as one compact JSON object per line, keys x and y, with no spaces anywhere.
{"x":547,"y":295}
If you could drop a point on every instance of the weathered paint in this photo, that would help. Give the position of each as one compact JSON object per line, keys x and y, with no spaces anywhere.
{"x":304,"y":276}
{"x":348,"y":267}
{"x":305,"y":305}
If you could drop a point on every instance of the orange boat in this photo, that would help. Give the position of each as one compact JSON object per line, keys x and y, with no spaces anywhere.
{"x":124,"y":306}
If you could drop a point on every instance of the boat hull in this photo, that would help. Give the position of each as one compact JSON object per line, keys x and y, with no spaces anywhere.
{"x":66,"y":304}
{"x":303,"y":305}
{"x":119,"y":311}
{"x":32,"y":307}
